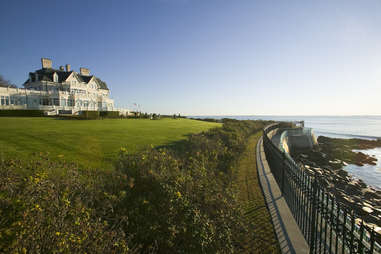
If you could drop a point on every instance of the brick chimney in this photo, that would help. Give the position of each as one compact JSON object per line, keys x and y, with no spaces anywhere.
{"x":46,"y":63}
{"x":68,"y":67}
{"x":84,"y":71}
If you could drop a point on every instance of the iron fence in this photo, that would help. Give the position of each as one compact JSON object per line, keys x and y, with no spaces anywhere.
{"x":327,"y":225}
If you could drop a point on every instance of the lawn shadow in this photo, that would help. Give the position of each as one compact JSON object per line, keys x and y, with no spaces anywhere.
{"x":178,"y":146}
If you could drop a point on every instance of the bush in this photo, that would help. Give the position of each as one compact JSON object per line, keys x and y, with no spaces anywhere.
{"x":183,"y":198}
{"x":109,"y":114}
{"x":89,"y":115}
{"x":176,"y":209}
{"x":21,"y":112}
{"x":49,"y":207}
{"x":178,"y":199}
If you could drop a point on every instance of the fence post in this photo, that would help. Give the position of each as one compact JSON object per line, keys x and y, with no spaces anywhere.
{"x":372,"y":241}
{"x":283,"y":170}
{"x":313,"y":215}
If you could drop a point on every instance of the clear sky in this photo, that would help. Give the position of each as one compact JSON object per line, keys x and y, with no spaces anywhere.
{"x":207,"y":57}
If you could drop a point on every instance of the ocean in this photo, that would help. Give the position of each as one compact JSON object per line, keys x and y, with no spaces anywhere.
{"x":364,"y":127}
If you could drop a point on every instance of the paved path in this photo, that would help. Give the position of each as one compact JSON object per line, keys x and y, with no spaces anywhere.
{"x":287,"y":230}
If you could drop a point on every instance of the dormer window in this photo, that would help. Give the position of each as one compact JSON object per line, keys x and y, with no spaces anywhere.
{"x":55,"y":77}
{"x":36,"y":75}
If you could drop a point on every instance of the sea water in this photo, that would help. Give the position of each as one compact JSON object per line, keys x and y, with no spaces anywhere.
{"x":364,"y":127}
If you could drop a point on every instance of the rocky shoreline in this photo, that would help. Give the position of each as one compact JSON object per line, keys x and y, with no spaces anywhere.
{"x":327,"y":161}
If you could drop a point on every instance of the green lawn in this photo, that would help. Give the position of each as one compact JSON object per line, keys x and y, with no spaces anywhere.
{"x":93,"y":143}
{"x":263,"y":239}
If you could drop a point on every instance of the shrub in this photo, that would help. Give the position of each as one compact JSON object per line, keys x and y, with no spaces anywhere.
{"x":53,"y":208}
{"x":183,"y":197}
{"x":178,"y":199}
{"x":109,"y":114}
{"x":21,"y":112}
{"x":89,"y":115}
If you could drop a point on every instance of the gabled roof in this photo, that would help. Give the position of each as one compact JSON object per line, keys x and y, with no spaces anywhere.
{"x":46,"y":74}
{"x":101,"y":84}
{"x":76,"y":75}
{"x":86,"y":79}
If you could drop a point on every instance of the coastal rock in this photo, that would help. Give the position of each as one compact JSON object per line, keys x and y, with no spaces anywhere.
{"x":367,"y":209}
{"x":349,"y":199}
{"x":367,"y":204}
{"x":361,"y":183}
{"x":328,"y":159}
{"x":370,"y":194}
{"x":352,"y":190}
{"x":325,"y":183}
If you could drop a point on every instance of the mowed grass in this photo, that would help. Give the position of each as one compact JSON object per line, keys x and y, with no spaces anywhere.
{"x":90,"y":143}
{"x":263,"y":239}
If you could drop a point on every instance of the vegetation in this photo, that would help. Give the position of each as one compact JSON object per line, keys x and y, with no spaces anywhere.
{"x":261,"y":234}
{"x":89,"y":143}
{"x":109,"y":114}
{"x":89,"y":115}
{"x":6,"y":83}
{"x":184,"y":198}
{"x":22,"y":112}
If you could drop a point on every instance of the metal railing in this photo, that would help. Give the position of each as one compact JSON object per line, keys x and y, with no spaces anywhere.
{"x":327,"y":225}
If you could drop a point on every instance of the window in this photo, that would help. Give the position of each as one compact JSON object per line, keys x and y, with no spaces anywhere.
{"x":21,"y":100}
{"x":7,"y":100}
{"x":70,"y":102}
{"x":55,"y":77}
{"x":13,"y":100}
{"x":2,"y":100}
{"x":56,"y":102}
{"x":45,"y":101}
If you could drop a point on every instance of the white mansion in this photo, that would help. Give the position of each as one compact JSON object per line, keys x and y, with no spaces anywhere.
{"x":61,"y":91}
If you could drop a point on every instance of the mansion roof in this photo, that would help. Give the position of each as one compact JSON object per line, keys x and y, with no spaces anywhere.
{"x":46,"y":74}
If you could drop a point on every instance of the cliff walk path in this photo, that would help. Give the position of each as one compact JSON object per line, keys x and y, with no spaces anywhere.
{"x":287,"y":230}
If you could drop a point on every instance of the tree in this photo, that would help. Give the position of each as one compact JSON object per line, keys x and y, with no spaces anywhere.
{"x":6,"y":83}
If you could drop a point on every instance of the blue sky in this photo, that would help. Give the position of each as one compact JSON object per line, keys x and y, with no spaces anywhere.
{"x":208,"y":57}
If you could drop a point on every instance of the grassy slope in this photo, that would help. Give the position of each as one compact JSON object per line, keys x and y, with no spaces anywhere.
{"x":263,"y":239}
{"x":93,"y":143}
